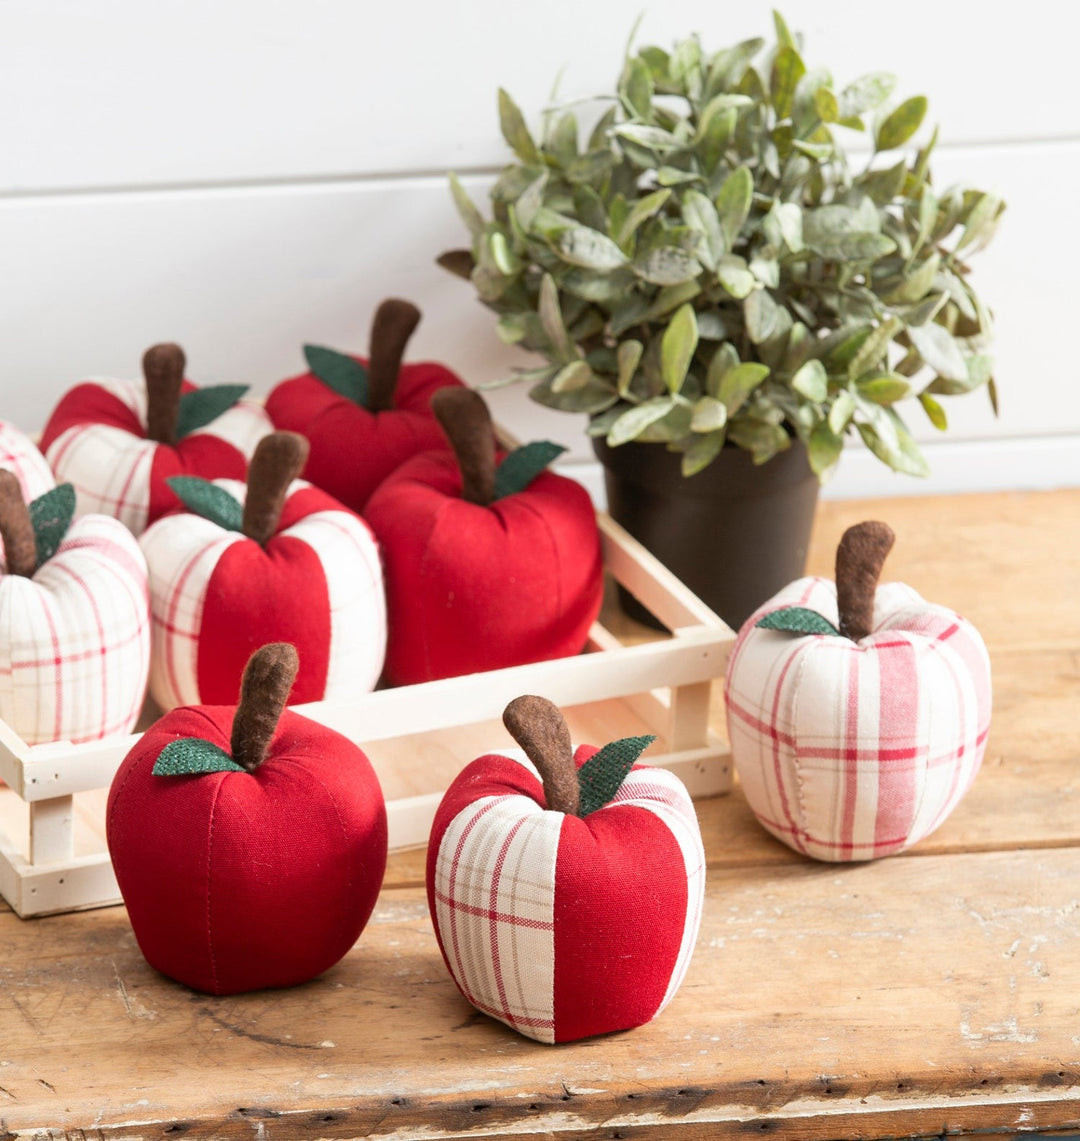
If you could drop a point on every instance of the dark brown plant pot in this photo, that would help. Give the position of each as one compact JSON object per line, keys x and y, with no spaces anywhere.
{"x":735,"y":533}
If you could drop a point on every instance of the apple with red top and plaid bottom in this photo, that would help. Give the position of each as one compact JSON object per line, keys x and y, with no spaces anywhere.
{"x":565,"y":887}
{"x":857,"y":714}
{"x":249,"y":843}
{"x":119,"y":441}
{"x":74,"y":609}
{"x":487,"y":564}
{"x":19,"y":455}
{"x":364,"y":418}
{"x":275,"y":560}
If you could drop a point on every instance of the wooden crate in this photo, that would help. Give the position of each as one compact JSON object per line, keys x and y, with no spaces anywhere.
{"x":53,"y":856}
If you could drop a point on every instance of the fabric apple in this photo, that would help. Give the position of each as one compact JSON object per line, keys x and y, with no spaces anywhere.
{"x":119,"y":441}
{"x":857,"y":714}
{"x":485,"y":566}
{"x":363,"y":418}
{"x":249,"y":843}
{"x":74,"y":609}
{"x":19,"y":455}
{"x":278,"y":560}
{"x":565,"y":889}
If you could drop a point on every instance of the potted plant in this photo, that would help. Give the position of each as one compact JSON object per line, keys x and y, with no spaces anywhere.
{"x":711,"y":272}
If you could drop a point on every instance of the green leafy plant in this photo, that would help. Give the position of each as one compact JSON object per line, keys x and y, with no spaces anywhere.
{"x":711,"y":266}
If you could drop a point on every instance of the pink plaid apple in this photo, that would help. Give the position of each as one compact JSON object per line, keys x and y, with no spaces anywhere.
{"x":857,"y":745}
{"x":561,"y":924}
{"x":19,"y":454}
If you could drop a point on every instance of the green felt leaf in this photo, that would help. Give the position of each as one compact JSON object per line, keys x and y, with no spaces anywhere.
{"x":339,"y":372}
{"x":602,"y":775}
{"x":523,"y":465}
{"x":191,"y":756}
{"x":50,"y":516}
{"x":211,"y":502}
{"x":201,"y":406}
{"x":797,"y":620}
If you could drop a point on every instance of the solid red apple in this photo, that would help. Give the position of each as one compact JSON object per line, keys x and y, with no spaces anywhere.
{"x":485,"y":566}
{"x":275,"y":560}
{"x":858,"y":714}
{"x":364,"y":418}
{"x":565,"y":888}
{"x":249,"y":850}
{"x":119,"y":441}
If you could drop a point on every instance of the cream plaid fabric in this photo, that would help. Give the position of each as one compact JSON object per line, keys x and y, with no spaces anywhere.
{"x":850,"y":752}
{"x":76,"y":638}
{"x":19,"y":455}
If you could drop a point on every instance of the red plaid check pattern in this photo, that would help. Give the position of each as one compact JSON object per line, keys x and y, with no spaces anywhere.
{"x":111,"y":469}
{"x":183,"y":552}
{"x":76,"y":638}
{"x":19,"y":455}
{"x":853,"y":751}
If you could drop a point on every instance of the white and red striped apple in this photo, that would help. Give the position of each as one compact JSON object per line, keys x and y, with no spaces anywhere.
{"x":565,"y":889}
{"x":857,"y":714}
{"x":119,"y":441}
{"x":277,"y":561}
{"x":249,"y":843}
{"x":19,"y":455}
{"x":74,"y":610}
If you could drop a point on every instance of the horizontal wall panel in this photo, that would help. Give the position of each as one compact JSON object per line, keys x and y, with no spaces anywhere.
{"x":242,"y":277}
{"x":125,"y":93}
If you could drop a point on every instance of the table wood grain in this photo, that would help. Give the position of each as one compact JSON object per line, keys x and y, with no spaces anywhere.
{"x":935,"y":993}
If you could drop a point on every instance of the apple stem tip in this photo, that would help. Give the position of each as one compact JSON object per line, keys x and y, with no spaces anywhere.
{"x":860,"y":556}
{"x":163,"y":369}
{"x":268,"y":680}
{"x":394,"y":323}
{"x":16,"y":528}
{"x":540,"y":729}
{"x":279,"y":458}
{"x":465,"y":419}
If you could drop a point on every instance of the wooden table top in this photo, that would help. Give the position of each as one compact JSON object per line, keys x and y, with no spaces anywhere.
{"x":934,"y":992}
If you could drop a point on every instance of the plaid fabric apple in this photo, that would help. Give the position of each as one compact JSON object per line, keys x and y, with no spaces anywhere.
{"x":75,"y":615}
{"x":20,"y":455}
{"x":857,"y":714}
{"x":486,"y":566}
{"x":565,"y":889}
{"x":249,"y":843}
{"x":277,"y":561}
{"x":364,"y":418}
{"x":119,"y":441}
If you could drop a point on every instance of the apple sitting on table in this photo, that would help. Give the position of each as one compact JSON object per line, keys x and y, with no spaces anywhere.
{"x":74,"y":609}
{"x":566,"y":889}
{"x":249,"y":843}
{"x":278,"y":560}
{"x":363,"y":418}
{"x":857,"y":714}
{"x":486,"y":566}
{"x":119,"y":441}
{"x":19,"y":455}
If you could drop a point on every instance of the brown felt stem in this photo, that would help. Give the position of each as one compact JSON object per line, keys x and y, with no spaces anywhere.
{"x":465,"y":419}
{"x":264,"y":690}
{"x":860,"y":556}
{"x":278,"y":459}
{"x":391,"y":329}
{"x":163,"y":368}
{"x":20,"y":546}
{"x":540,"y":729}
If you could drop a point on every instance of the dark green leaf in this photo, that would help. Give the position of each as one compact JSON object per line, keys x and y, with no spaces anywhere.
{"x":206,"y":499}
{"x":602,"y":775}
{"x":340,"y":373}
{"x":202,"y":406}
{"x":523,"y":465}
{"x":192,"y":756}
{"x":50,"y":517}
{"x":797,"y":620}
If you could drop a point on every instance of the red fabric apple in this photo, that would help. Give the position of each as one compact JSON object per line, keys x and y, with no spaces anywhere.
{"x":566,"y":890}
{"x":75,"y":618}
{"x":858,"y":715}
{"x":484,"y":568}
{"x":276,"y":561}
{"x":118,"y":441}
{"x":363,"y":417}
{"x":20,"y":455}
{"x":249,"y":850}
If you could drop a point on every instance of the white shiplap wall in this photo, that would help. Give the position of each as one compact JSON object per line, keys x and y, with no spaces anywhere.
{"x":245,"y":175}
